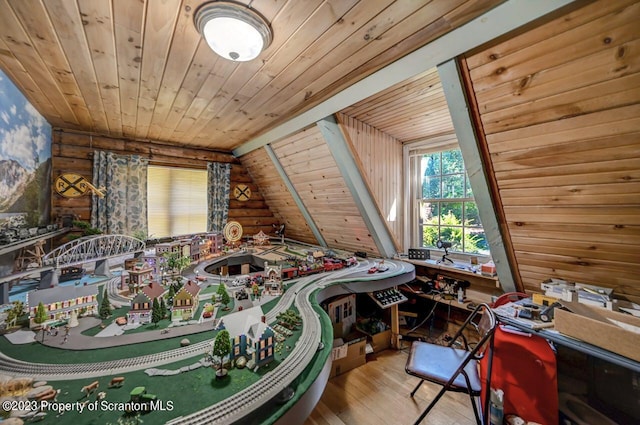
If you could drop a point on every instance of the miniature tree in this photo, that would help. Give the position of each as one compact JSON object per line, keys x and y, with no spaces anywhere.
{"x":289,"y":318}
{"x":172,"y":293}
{"x":41,"y":314}
{"x":221,"y":348}
{"x":176,"y":262}
{"x":156,"y":313}
{"x":15,"y":312}
{"x":18,"y":310}
{"x":140,"y":234}
{"x":163,"y":308}
{"x":105,"y":306}
{"x":224,"y":296}
{"x":255,"y":289}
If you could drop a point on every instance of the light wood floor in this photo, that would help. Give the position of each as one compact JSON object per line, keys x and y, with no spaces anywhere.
{"x":378,"y":393}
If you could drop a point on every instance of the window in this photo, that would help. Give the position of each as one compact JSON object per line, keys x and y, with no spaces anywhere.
{"x":176,"y":201}
{"x":444,"y":207}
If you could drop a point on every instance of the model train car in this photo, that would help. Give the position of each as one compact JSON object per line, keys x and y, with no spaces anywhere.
{"x":70,"y":273}
{"x":16,"y":234}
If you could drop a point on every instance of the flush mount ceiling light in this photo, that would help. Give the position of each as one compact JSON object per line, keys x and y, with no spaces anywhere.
{"x":233,"y":30}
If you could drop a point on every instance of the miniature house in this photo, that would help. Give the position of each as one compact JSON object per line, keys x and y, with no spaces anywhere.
{"x":256,"y":342}
{"x":272,"y":278}
{"x":261,"y":339}
{"x":342,"y":312}
{"x":185,"y":302}
{"x":142,"y":304}
{"x":60,"y":302}
{"x":167,"y":247}
{"x":139,"y":276}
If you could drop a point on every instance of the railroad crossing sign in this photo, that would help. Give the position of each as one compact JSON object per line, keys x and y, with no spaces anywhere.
{"x":71,"y":185}
{"x":242,"y":192}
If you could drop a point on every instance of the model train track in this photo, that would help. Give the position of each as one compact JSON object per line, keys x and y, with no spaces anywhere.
{"x":244,"y":402}
{"x":60,"y":372}
{"x":238,"y":406}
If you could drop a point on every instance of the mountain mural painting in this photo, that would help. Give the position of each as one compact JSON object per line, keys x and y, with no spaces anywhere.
{"x":25,"y":160}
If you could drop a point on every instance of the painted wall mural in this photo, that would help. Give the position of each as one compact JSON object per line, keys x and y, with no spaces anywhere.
{"x":25,"y":160}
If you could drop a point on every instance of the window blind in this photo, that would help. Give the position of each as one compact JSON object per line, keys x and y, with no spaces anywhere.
{"x":177,"y":201}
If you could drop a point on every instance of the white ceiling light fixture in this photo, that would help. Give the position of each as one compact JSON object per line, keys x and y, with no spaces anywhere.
{"x":233,"y":30}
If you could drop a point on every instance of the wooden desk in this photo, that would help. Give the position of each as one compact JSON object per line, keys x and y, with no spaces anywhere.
{"x":479,"y":282}
{"x":456,"y":312}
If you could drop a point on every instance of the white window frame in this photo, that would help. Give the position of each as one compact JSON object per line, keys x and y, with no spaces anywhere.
{"x":412,"y":154}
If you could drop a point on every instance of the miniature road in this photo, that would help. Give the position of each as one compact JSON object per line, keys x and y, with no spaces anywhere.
{"x":242,"y":403}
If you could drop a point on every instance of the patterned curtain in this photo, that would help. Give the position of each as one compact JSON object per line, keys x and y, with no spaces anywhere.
{"x":123,"y":210}
{"x":218,"y":183}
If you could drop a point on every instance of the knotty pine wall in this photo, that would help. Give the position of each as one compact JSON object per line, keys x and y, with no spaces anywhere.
{"x":311,"y":167}
{"x":278,"y":196}
{"x":560,"y":109}
{"x":380,"y":158}
{"x":73,"y":152}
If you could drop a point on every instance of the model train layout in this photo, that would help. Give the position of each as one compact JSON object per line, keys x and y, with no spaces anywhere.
{"x":270,"y":284}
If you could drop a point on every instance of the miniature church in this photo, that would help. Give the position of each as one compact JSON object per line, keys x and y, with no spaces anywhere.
{"x":272,"y":279}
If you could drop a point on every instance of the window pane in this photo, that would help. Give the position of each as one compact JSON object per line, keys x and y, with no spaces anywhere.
{"x":431,"y":164}
{"x":177,"y":201}
{"x":430,"y":172}
{"x":442,"y":177}
{"x":475,"y":241}
{"x":451,"y":213}
{"x":471,"y":215}
{"x":429,"y":213}
{"x":429,"y":236}
{"x":431,"y":187}
{"x":453,"y":186}
{"x":452,"y":162}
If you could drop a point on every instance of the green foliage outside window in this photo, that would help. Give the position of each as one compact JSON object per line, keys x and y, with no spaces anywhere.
{"x":448,"y":210}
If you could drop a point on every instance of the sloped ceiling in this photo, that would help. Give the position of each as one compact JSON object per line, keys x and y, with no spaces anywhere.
{"x":140,"y":70}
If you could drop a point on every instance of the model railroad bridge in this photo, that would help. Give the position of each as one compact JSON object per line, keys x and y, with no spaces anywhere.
{"x":98,"y":249}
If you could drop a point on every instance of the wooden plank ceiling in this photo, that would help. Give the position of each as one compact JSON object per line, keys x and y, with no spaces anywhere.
{"x":140,"y":70}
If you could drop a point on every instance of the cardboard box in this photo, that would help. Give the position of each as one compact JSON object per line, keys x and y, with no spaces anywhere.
{"x":601,"y":327}
{"x":355,"y":355}
{"x":380,"y":341}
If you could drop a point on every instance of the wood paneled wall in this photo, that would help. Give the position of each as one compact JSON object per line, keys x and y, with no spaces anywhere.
{"x":314,"y":174}
{"x":560,"y":108}
{"x":380,"y":158}
{"x":277,"y":196}
{"x":312,"y":170}
{"x":73,"y":152}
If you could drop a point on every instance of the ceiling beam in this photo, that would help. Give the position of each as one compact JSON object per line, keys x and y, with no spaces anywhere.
{"x":472,"y":155}
{"x":296,"y":197}
{"x":359,"y":189}
{"x":494,"y":23}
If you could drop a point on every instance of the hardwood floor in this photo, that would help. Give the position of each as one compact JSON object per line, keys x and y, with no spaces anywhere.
{"x":378,"y":393}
